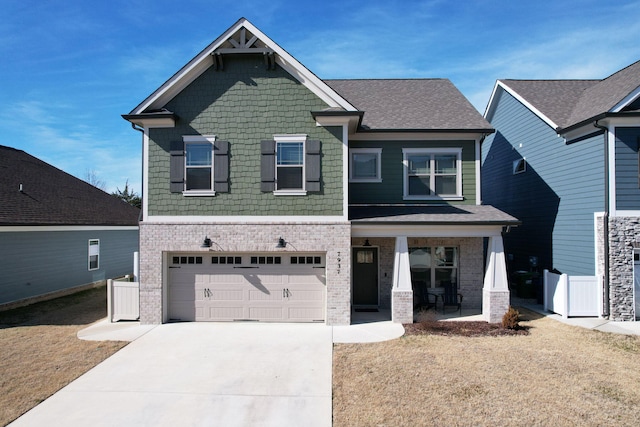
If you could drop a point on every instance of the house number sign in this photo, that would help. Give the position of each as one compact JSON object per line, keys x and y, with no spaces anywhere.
{"x":338,"y":259}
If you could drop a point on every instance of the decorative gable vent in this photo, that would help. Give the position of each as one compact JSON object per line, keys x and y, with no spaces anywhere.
{"x":243,"y":41}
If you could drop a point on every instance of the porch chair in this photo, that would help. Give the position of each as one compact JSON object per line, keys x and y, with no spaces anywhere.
{"x":451,"y":297}
{"x":423,"y":299}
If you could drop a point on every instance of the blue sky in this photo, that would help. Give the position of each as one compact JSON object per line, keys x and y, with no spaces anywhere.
{"x":69,"y":69}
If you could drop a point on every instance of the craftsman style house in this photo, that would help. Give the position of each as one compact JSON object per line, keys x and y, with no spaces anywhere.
{"x":564,"y":160}
{"x":58,"y":234}
{"x":273,"y":195}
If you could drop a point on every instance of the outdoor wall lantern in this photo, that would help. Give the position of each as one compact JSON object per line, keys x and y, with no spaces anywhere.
{"x":281,"y":243}
{"x":206,"y":243}
{"x":366,"y":242}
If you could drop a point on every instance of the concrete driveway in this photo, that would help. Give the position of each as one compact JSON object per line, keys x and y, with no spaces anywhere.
{"x":203,"y":374}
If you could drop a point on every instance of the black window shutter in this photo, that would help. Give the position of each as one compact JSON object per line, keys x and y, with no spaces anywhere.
{"x":221,"y":166}
{"x":176,"y":167}
{"x":312,"y":167}
{"x":267,"y":166}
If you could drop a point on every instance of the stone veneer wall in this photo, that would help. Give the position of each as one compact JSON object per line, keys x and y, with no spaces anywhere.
{"x":624,"y":235}
{"x":471,"y":269}
{"x":334,"y":239}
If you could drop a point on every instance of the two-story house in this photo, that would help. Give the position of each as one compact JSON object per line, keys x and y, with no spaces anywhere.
{"x":272,"y":195}
{"x":564,"y":160}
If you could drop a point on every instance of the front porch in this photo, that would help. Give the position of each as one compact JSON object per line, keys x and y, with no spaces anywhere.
{"x":400,"y":257}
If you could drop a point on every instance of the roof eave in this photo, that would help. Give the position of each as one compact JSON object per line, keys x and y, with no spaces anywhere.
{"x":486,"y":131}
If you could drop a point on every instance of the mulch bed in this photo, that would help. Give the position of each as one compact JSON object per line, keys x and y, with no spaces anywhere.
{"x":462,"y":328}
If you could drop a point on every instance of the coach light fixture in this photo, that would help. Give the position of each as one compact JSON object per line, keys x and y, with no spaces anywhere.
{"x":206,"y":243}
{"x":281,"y":243}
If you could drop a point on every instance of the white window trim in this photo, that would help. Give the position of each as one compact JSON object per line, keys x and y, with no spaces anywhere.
{"x":187,"y":139}
{"x":90,"y":254}
{"x":405,"y":174}
{"x":291,"y":138}
{"x":377,"y":152}
{"x":516,"y":163}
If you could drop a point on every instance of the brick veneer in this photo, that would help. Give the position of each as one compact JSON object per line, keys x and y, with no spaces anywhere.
{"x":158,"y":239}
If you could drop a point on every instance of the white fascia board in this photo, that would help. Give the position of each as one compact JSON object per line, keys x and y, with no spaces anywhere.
{"x":164,"y":122}
{"x":41,"y":228}
{"x":213,"y":220}
{"x":413,"y":230}
{"x":490,"y":107}
{"x":526,"y":103}
{"x":350,"y":122}
{"x":626,"y":101}
{"x":415,"y":136}
{"x":198,"y":65}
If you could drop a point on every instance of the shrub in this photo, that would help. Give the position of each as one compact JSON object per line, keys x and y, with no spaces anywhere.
{"x":510,"y":319}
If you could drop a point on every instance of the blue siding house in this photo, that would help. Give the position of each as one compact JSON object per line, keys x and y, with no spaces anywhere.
{"x":564,"y":159}
{"x":58,"y":234}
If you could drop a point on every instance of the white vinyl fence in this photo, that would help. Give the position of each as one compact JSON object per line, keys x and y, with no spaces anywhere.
{"x":123,"y":296}
{"x":571,"y":296}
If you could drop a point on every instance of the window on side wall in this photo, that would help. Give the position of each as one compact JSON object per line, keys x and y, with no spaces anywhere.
{"x":365,"y":165}
{"x":94,"y":254}
{"x":432,"y":174}
{"x":519,"y":166}
{"x":433,"y":266}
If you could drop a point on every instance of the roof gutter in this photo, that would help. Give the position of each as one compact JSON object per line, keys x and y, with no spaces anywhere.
{"x":605,"y":220}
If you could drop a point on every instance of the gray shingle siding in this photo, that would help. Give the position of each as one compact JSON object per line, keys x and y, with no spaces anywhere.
{"x":627,"y":181}
{"x":557,"y":211}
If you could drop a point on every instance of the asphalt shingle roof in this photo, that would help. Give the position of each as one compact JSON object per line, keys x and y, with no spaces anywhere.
{"x":570,"y":102}
{"x":440,"y":214}
{"x":50,"y":196}
{"x":410,"y":104}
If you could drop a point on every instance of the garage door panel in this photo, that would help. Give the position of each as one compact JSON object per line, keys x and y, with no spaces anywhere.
{"x":286,"y":291}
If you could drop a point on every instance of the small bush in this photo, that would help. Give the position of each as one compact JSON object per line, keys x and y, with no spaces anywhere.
{"x":510,"y":319}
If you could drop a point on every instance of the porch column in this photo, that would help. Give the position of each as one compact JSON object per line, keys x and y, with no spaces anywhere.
{"x":402,"y":293}
{"x":495,"y":292}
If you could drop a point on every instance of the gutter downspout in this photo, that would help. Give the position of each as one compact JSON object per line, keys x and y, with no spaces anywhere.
{"x":605,"y":220}
{"x":139,"y":129}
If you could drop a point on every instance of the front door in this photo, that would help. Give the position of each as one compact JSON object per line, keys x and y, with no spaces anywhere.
{"x":365,"y":276}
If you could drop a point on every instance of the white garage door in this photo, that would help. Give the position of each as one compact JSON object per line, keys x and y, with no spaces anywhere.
{"x":265,"y":287}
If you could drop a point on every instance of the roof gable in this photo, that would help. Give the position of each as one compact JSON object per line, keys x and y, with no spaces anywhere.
{"x":33,"y":192}
{"x":241,"y":38}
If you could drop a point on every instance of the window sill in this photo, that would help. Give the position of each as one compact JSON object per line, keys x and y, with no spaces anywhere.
{"x":372,"y":180}
{"x":450,"y":198}
{"x":289,"y":193}
{"x":200,"y":193}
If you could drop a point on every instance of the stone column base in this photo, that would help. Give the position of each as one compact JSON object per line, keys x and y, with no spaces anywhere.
{"x":402,"y":306}
{"x":494,"y":305}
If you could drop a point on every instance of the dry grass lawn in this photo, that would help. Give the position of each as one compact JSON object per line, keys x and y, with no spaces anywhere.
{"x":556,"y":375}
{"x":40,"y":350}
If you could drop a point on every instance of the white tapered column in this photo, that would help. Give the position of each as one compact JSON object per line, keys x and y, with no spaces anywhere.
{"x":402,"y":293}
{"x":495,"y":292}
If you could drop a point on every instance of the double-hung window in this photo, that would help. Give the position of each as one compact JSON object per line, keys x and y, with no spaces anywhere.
{"x":433,"y":267}
{"x":365,"y":165}
{"x":94,"y":254}
{"x":198,"y":166}
{"x":434,"y":173}
{"x":289,"y":165}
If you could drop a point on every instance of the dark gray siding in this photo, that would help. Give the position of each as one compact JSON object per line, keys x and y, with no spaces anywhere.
{"x":627,"y":183}
{"x":555,"y":198}
{"x":35,"y":263}
{"x":390,"y":190}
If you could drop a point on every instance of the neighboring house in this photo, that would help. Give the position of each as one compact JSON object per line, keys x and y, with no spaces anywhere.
{"x":270,"y":194}
{"x":564,"y":160}
{"x":58,"y":234}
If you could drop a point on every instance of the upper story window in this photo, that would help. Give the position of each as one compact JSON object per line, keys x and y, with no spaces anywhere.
{"x":519,"y":166}
{"x":199,"y":166}
{"x":365,"y":165}
{"x":290,"y":165}
{"x":432,"y":173}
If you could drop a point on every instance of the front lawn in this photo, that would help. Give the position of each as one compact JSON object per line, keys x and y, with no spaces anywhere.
{"x":555,"y":375}
{"x":40,"y":350}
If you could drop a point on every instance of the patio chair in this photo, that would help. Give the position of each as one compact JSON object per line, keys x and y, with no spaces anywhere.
{"x":451,"y":297}
{"x":422,"y":298}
